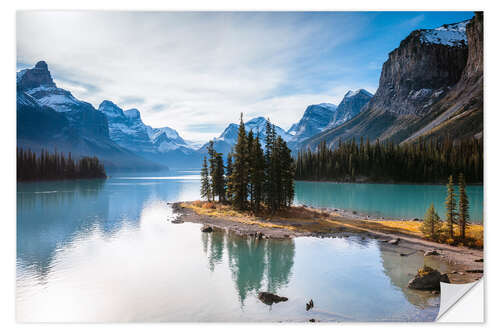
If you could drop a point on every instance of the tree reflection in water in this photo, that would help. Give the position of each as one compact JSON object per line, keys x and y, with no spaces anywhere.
{"x":255,"y":264}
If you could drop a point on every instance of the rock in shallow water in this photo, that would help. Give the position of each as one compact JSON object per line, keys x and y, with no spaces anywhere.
{"x":428,"y":278}
{"x":270,"y":298}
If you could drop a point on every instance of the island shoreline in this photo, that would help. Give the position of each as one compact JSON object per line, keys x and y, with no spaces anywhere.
{"x":466,"y":263}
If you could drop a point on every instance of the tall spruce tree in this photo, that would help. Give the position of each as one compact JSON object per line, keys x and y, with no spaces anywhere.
{"x":240,"y":168}
{"x":451,"y":207}
{"x":219,"y":180}
{"x":229,"y":180}
{"x":212,"y":161}
{"x":463,"y":207}
{"x":205,"y":181}
{"x":257,"y":173}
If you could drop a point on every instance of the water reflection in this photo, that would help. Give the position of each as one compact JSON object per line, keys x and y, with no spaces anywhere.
{"x":110,"y":245}
{"x":255,"y":264}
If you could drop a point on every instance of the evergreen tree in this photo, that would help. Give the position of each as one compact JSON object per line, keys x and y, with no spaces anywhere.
{"x":451,"y":207}
{"x":212,"y":161}
{"x":257,"y":174}
{"x":240,"y":168}
{"x":229,"y":175}
{"x":219,"y":181}
{"x":205,"y":181}
{"x":431,"y":225}
{"x":463,"y":207}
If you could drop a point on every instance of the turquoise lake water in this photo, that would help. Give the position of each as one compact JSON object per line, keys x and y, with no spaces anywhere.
{"x":106,"y":250}
{"x":385,"y":200}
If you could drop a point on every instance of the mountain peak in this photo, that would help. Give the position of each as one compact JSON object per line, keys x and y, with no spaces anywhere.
{"x":42,"y":65}
{"x":35,"y":77}
{"x":352,"y":93}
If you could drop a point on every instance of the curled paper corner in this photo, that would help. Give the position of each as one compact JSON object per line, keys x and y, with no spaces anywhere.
{"x":451,"y":298}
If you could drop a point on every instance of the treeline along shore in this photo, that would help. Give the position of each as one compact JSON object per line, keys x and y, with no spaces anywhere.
{"x":429,"y":161}
{"x":56,"y":166}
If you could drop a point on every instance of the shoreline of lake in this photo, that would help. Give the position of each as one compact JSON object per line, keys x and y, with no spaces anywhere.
{"x":466,"y":263}
{"x":381,"y":182}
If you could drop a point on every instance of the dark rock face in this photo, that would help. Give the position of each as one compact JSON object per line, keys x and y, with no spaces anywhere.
{"x":459,"y":114}
{"x":417,"y":73}
{"x":35,"y":77}
{"x":428,"y":279}
{"x":269,"y":298}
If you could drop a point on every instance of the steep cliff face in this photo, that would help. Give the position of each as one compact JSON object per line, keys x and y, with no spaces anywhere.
{"x":417,"y":85}
{"x":459,"y":114}
{"x":420,"y":70}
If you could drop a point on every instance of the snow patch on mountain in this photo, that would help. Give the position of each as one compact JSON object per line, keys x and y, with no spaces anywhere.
{"x":448,"y":34}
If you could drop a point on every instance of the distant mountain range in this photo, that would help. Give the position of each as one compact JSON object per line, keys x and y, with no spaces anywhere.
{"x":430,"y":87}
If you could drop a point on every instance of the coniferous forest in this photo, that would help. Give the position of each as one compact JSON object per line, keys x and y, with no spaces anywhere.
{"x":253,"y":178}
{"x":55,"y":166}
{"x":421,"y":162}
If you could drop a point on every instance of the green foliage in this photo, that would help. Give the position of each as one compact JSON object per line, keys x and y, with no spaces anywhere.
{"x":31,"y":166}
{"x":205,"y":190}
{"x":216,"y":172}
{"x":463,"y":207}
{"x":430,"y":161}
{"x":431,"y":227}
{"x":451,"y":207}
{"x":239,"y":177}
{"x":252,"y":176}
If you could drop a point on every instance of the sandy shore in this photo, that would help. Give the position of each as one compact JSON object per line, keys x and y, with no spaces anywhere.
{"x":465,"y":263}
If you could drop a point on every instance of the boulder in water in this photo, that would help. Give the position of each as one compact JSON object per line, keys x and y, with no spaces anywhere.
{"x":428,"y":278}
{"x":270,"y":298}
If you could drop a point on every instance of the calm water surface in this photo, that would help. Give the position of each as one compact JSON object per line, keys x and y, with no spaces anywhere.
{"x":385,"y":200}
{"x":107,"y":251}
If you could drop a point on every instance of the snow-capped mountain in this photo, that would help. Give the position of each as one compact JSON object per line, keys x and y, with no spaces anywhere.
{"x":315,"y":119}
{"x":229,"y":136}
{"x":49,"y":117}
{"x":127,"y":129}
{"x":349,"y":107}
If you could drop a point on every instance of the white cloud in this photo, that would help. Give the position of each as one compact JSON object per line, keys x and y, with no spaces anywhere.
{"x":187,"y":69}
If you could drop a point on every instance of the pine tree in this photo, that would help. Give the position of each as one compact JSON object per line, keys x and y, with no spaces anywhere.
{"x":463,"y":207}
{"x":240,"y":168}
{"x":451,"y":207}
{"x":212,"y":169}
{"x":257,"y":174}
{"x":431,"y":225}
{"x":229,"y":175}
{"x":219,"y":181}
{"x":205,"y":181}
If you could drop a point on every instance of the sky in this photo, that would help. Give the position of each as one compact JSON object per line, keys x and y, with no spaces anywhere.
{"x":197,"y":71}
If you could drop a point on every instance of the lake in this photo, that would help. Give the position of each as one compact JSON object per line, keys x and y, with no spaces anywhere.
{"x":106,"y":251}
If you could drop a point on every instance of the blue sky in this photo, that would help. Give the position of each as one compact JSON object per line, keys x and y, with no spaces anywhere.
{"x":196,"y":72}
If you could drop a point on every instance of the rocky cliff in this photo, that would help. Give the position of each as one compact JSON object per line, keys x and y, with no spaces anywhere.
{"x":417,"y":84}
